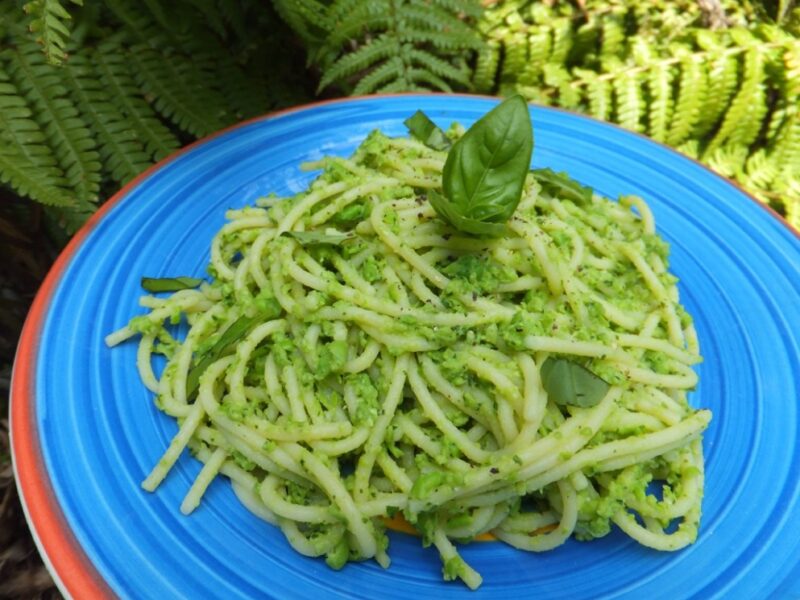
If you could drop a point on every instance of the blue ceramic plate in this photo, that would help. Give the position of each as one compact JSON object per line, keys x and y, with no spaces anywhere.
{"x":86,"y":432}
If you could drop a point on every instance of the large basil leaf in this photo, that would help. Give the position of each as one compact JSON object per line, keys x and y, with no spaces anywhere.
{"x":485,"y":170}
{"x":567,"y":382}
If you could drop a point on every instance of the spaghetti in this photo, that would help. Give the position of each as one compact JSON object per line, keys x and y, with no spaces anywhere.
{"x":354,"y":357}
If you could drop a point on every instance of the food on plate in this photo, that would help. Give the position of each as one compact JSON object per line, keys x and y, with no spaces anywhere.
{"x":432,"y":330}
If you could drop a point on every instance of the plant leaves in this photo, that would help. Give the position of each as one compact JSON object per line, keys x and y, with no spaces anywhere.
{"x":485,"y":170}
{"x":238,"y":329}
{"x":568,"y":383}
{"x":169,"y":284}
{"x":426,"y":131}
{"x":310,"y":238}
{"x":562,"y":186}
{"x":446,"y":210}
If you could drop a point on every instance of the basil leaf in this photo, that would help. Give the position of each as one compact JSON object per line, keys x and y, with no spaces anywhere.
{"x":223,"y":346}
{"x":562,"y":186}
{"x":169,"y":284}
{"x":485,"y":170}
{"x":426,"y":131}
{"x":567,"y":382}
{"x":452,"y":216}
{"x":310,"y":238}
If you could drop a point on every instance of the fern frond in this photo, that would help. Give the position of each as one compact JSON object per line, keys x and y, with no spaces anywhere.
{"x":21,"y":135}
{"x":691,"y":100}
{"x":124,"y":156}
{"x":437,"y":66}
{"x":307,"y":18}
{"x":459,"y":7}
{"x":486,"y":67}
{"x":722,"y":81}
{"x":417,"y":76}
{"x":139,"y":26}
{"x":441,"y":40}
{"x":63,"y":127}
{"x":786,"y":148}
{"x":515,"y":54}
{"x":598,"y":94}
{"x":175,"y":93}
{"x":365,"y":57}
{"x":742,"y":121}
{"x":760,"y":170}
{"x":659,"y":87}
{"x":561,"y":40}
{"x":388,"y":71}
{"x":113,"y":70}
{"x":629,"y":103}
{"x":612,"y":43}
{"x":539,"y":47}
{"x":48,"y":22}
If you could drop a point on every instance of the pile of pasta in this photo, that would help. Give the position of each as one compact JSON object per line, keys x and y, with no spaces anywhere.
{"x":353,"y":358}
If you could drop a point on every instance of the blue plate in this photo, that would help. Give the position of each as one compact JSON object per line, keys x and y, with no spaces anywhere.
{"x":86,"y":432}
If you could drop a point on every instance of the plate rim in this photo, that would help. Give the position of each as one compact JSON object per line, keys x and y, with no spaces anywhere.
{"x":73,"y":572}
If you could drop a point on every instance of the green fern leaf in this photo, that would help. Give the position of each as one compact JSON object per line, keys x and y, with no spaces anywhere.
{"x":561,"y":40}
{"x":539,"y":48}
{"x":743,"y":119}
{"x":612,"y":40}
{"x":598,"y":93}
{"x":48,"y":22}
{"x":722,"y":81}
{"x":515,"y":55}
{"x":690,"y":102}
{"x":114,"y":73}
{"x":124,"y":156}
{"x":307,"y":18}
{"x":486,"y":65}
{"x":140,"y":27}
{"x":437,"y":66}
{"x":629,"y":101}
{"x":760,"y":170}
{"x":727,"y":160}
{"x":64,"y":129}
{"x":21,"y":135}
{"x":785,"y":150}
{"x":431,"y":80}
{"x":389,"y":71}
{"x":175,"y":90}
{"x":365,"y":57}
{"x":659,"y":86}
{"x":460,"y":7}
{"x":440,"y":40}
{"x":18,"y":172}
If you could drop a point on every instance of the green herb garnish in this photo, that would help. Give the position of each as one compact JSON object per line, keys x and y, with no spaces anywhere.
{"x":562,"y":186}
{"x":426,"y":131}
{"x":485,"y":171}
{"x":169,"y":284}
{"x":567,"y":382}
{"x":223,"y":346}
{"x":311,"y":238}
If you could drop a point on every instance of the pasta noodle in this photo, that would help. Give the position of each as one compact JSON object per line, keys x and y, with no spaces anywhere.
{"x":355,"y":358}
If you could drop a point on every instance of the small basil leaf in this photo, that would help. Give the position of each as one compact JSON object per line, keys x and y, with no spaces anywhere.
{"x":426,"y":131}
{"x":310,"y":238}
{"x":223,"y":346}
{"x":562,"y":186}
{"x":169,"y":284}
{"x":567,"y":382}
{"x":452,"y":216}
{"x":485,"y":170}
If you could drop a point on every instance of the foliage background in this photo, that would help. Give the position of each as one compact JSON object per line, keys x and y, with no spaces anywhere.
{"x":92,"y":94}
